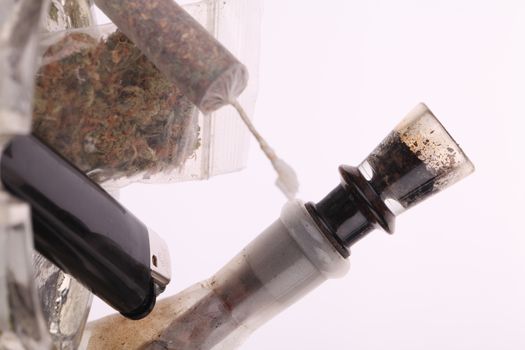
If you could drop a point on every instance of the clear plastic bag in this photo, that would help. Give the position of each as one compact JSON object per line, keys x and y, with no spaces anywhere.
{"x":19,"y":27}
{"x":105,"y":107}
{"x":64,"y":14}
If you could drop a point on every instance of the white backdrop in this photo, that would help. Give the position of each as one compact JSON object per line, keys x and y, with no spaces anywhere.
{"x":336,"y":76}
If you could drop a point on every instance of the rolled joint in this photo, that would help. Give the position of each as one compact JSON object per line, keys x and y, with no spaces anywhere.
{"x":225,"y":88}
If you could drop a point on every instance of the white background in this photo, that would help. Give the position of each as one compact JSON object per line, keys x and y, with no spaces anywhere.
{"x":336,"y":76}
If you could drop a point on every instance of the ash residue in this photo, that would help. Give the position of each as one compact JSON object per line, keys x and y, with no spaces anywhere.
{"x":399,"y":173}
{"x":431,"y":143}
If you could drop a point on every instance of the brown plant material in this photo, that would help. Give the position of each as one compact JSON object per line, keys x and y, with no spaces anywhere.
{"x":106,"y":108}
{"x":208,"y":74}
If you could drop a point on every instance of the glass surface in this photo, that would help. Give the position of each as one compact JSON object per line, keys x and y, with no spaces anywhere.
{"x":64,"y":14}
{"x":19,"y":28}
{"x":416,"y":160}
{"x":22,"y":325}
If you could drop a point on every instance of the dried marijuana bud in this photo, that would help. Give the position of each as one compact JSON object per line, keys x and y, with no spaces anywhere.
{"x":106,"y":108}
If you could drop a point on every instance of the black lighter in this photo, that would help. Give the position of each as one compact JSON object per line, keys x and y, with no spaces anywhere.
{"x":83,"y":230}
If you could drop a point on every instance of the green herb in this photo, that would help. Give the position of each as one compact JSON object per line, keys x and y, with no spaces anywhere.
{"x":106,"y":108}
